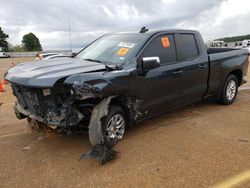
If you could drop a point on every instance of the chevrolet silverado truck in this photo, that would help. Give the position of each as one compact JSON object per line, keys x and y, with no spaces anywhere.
{"x":123,"y":78}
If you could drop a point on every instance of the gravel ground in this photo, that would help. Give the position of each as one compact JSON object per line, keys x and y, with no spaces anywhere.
{"x":196,"y":146}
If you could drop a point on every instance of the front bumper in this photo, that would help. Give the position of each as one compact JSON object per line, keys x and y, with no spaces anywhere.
{"x":63,"y":117}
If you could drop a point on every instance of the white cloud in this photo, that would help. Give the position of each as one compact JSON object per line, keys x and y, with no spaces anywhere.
{"x":89,"y":19}
{"x":229,"y":19}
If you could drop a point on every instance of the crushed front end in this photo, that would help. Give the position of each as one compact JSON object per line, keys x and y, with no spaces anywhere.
{"x":52,"y":106}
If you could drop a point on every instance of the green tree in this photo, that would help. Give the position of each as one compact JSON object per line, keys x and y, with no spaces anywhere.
{"x":17,"y":48}
{"x":235,"y":38}
{"x":31,"y":42}
{"x":3,"y":41}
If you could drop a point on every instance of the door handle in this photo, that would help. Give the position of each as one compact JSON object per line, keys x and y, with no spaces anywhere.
{"x":177,"y":73}
{"x":202,"y":66}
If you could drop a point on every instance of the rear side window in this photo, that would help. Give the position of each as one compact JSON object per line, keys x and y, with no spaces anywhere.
{"x":186,"y":47}
{"x":162,"y":47}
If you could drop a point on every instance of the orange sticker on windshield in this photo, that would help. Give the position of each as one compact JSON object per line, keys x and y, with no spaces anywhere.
{"x":165,"y":42}
{"x":122,"y":51}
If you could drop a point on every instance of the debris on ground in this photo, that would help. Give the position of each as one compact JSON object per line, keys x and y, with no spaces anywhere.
{"x":40,"y":138}
{"x":26,"y":148}
{"x":240,"y":140}
{"x":102,"y":152}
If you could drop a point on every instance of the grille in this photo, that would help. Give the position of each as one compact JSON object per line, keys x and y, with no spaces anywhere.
{"x":19,"y":95}
{"x":26,"y":97}
{"x":36,"y":102}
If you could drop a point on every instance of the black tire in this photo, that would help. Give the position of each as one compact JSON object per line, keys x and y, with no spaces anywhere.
{"x":113,"y":110}
{"x":225,"y":98}
{"x":35,"y":125}
{"x":94,"y":132}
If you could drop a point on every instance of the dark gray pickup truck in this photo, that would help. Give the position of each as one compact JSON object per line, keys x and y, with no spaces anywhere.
{"x":123,"y":78}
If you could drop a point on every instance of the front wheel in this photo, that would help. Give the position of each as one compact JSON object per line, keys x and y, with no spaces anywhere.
{"x":112,"y":126}
{"x":230,"y":90}
{"x":35,"y":125}
{"x":114,"y":123}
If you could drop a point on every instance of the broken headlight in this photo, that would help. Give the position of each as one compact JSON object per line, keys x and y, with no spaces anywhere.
{"x":83,"y":91}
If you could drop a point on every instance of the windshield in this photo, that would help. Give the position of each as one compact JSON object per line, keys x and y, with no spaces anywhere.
{"x":112,"y":49}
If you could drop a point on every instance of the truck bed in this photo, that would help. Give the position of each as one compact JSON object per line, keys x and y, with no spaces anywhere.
{"x":222,"y":62}
{"x":216,"y":54}
{"x":220,"y":50}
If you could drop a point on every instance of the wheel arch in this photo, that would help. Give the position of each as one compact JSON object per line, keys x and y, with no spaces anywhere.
{"x":121,"y":101}
{"x":238,"y":74}
{"x":235,"y":72}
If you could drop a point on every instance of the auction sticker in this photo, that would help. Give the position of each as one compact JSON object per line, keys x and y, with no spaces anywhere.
{"x":165,"y":42}
{"x":122,"y":51}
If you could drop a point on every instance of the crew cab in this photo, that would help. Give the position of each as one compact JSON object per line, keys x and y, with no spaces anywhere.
{"x":122,"y":78}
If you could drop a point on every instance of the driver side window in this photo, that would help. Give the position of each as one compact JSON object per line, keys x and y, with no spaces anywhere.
{"x":163,"y":47}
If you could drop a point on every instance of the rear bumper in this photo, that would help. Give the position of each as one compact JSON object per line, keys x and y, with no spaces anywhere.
{"x":244,"y":80}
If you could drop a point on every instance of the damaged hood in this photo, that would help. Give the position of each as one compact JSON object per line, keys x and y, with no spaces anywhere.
{"x":46,"y":73}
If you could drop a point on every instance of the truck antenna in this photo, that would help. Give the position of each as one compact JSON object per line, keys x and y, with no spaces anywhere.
{"x":69,"y":36}
{"x":143,"y":30}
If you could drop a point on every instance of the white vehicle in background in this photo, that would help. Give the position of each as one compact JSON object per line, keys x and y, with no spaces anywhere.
{"x":56,"y":56}
{"x":245,"y":43}
{"x":48,"y":54}
{"x":217,"y":43}
{"x":44,"y":55}
{"x":4,"y":55}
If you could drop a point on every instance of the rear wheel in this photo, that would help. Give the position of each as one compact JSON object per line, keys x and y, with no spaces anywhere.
{"x":230,"y":90}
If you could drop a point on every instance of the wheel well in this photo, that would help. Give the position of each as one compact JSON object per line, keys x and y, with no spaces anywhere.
{"x":120,"y":102}
{"x":238,"y":74}
{"x":239,"y":77}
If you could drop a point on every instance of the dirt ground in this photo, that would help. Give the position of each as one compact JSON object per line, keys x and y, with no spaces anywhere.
{"x":202,"y":145}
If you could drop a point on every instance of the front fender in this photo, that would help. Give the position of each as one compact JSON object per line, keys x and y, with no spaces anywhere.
{"x":106,"y":83}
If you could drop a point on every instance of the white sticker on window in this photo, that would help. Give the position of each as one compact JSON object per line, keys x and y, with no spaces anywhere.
{"x":126,"y":44}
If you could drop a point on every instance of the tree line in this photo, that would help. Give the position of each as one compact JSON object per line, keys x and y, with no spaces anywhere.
{"x":30,"y":42}
{"x":235,"y":39}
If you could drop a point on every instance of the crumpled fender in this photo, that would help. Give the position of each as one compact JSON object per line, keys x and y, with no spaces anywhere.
{"x":119,"y":83}
{"x":108,"y":83}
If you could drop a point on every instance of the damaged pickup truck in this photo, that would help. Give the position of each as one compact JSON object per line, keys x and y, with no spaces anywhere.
{"x":123,"y":78}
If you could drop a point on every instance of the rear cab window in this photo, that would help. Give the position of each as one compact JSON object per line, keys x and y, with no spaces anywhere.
{"x":186,"y":47}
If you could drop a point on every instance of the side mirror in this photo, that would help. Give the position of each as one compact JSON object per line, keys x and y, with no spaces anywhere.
{"x":149,"y":63}
{"x":73,"y":54}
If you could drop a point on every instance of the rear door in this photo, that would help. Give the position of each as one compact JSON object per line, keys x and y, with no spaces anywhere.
{"x":193,"y":65}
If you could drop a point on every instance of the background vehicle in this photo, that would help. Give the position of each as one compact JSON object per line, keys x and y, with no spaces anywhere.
{"x":4,"y":55}
{"x":45,"y":55}
{"x":123,"y":78}
{"x":56,"y":56}
{"x":245,"y":43}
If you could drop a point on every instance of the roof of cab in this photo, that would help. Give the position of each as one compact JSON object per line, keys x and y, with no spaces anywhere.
{"x":151,"y":32}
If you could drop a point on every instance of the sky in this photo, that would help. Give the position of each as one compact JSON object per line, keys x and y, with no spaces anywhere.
{"x":49,"y":19}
